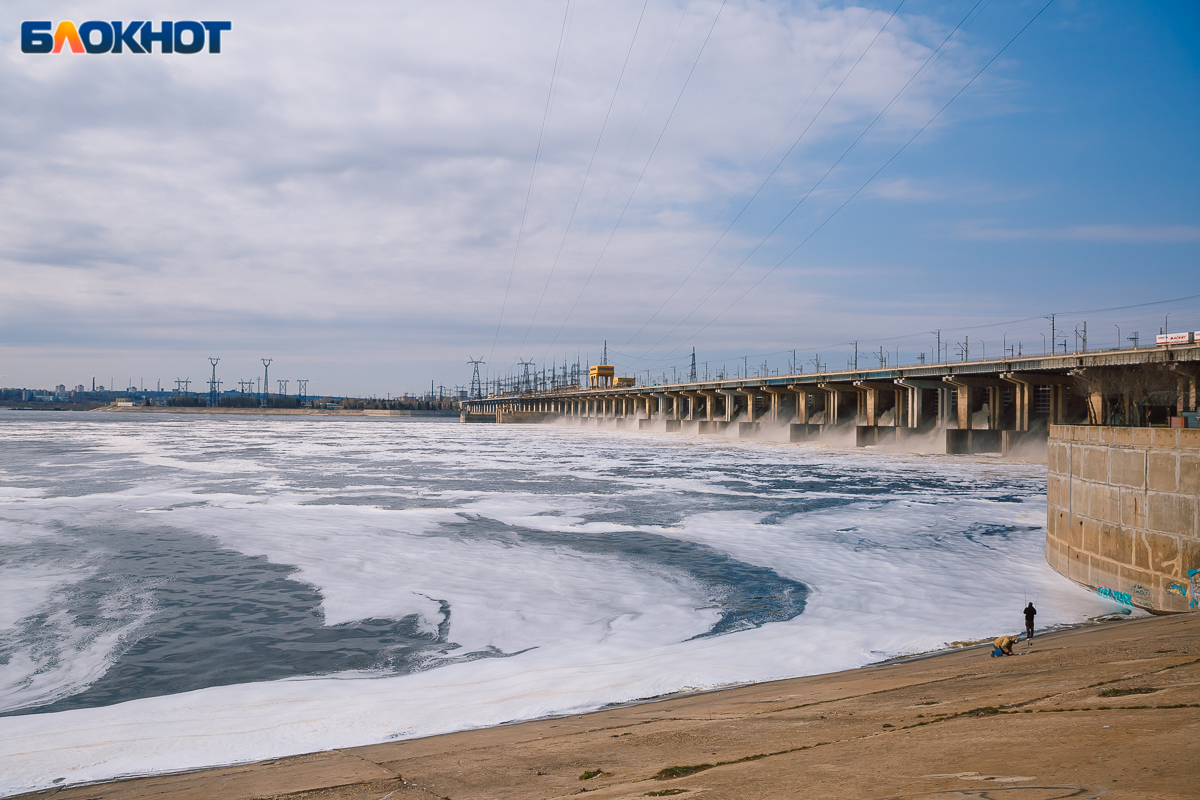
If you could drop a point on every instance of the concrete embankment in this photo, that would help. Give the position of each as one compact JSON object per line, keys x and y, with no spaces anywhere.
{"x":1108,"y":710}
{"x":1123,"y":512}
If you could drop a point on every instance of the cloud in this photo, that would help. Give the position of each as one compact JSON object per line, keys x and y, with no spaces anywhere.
{"x":1132,"y":234}
{"x":360,"y":170}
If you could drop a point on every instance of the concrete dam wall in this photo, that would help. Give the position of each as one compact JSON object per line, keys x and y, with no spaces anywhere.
{"x":1123,"y":513}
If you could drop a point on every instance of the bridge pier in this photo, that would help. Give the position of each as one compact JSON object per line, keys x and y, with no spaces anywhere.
{"x":751,"y":396}
{"x":802,"y":400}
{"x":841,"y":394}
{"x":709,"y":404}
{"x":730,"y":402}
{"x":775,"y":413}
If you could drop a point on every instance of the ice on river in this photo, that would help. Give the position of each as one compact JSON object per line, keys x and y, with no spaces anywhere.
{"x":188,"y":591}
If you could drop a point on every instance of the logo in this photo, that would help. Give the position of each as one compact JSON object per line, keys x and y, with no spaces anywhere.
{"x":117,"y":37}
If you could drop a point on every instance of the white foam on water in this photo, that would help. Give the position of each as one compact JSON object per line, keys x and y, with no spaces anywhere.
{"x":56,"y":655}
{"x":899,"y":570}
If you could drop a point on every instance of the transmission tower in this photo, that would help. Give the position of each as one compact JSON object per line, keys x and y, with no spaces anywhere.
{"x":526,"y":381}
{"x":181,"y":384}
{"x":266,"y":384}
{"x":283,"y":387}
{"x":476,"y":387}
{"x":212,"y":383}
{"x":693,"y":373}
{"x":301,"y":388}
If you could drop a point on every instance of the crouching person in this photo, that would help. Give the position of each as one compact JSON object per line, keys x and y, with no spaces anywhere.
{"x":1003,"y":646}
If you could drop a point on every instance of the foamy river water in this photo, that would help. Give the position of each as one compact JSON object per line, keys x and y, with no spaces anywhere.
{"x":182,"y":591}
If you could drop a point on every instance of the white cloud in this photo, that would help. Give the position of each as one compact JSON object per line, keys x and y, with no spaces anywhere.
{"x":353,"y":171}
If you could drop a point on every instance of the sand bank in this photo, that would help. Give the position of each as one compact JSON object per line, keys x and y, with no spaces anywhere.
{"x":1109,"y":710}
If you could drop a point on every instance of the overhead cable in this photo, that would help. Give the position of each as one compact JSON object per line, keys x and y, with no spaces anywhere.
{"x":642,"y":174}
{"x":587,"y":173}
{"x":877,"y":172}
{"x":558,"y":59}
{"x":830,"y":170}
{"x":782,"y":158}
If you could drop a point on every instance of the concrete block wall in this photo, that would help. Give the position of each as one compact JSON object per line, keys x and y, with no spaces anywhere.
{"x":1123,"y":512}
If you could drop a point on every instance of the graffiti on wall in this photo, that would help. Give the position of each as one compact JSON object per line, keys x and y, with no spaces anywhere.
{"x":1194,"y":582}
{"x":1113,"y":594}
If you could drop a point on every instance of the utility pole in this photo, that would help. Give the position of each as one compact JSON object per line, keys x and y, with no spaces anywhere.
{"x":266,"y":384}
{"x":1053,"y":333}
{"x":855,"y":356}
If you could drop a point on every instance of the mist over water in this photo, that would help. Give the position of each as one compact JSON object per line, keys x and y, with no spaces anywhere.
{"x":185,"y":591}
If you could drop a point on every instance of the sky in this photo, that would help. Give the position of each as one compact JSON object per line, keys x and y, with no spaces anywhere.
{"x":371,"y":194}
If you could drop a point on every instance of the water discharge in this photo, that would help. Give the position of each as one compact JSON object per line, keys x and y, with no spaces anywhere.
{"x":186,"y":591}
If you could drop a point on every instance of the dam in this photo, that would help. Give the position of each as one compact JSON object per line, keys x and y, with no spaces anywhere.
{"x":1119,"y":430}
{"x":982,"y":406}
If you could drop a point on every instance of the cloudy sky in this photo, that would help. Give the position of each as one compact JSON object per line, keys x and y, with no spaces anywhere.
{"x":372,"y":193}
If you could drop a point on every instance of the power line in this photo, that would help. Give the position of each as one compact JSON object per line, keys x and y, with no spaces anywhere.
{"x":625,"y":152}
{"x":558,"y":58}
{"x":642,"y":174}
{"x":782,"y":158}
{"x":959,"y":329}
{"x":877,"y":172}
{"x":830,"y":170}
{"x":587,"y":173}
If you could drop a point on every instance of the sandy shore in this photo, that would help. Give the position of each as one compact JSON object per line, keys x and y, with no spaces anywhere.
{"x":1058,"y":721}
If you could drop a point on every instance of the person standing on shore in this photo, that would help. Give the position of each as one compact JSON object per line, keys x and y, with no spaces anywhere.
{"x":1030,"y":613}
